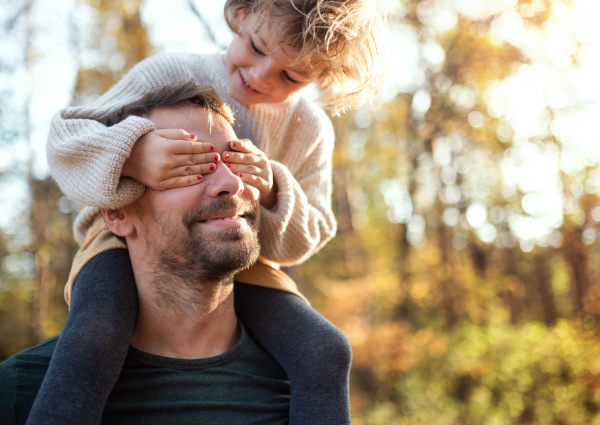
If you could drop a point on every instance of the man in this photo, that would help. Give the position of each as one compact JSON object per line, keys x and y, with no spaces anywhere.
{"x":190,"y":361}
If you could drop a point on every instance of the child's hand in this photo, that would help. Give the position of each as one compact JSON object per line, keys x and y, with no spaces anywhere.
{"x":253,"y":167}
{"x":164,"y":159}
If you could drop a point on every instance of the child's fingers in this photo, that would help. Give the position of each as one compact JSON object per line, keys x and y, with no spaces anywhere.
{"x":245,"y":169}
{"x":182,"y":147}
{"x":174,"y":134}
{"x":180,"y":181}
{"x":189,"y":170}
{"x":242,"y":158}
{"x":194,"y":159}
{"x":245,"y":146}
{"x":257,"y":182}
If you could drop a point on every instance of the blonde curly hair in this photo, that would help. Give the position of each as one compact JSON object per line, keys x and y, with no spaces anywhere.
{"x":343,"y":35}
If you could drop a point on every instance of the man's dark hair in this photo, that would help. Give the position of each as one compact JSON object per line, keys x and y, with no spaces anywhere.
{"x":175,"y":95}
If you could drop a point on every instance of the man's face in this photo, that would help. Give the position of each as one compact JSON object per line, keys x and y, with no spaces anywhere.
{"x":208,"y":230}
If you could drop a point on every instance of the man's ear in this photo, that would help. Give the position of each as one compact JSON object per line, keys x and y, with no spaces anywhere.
{"x":119,"y":222}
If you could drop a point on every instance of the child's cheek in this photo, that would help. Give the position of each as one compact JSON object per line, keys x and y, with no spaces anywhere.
{"x":235,"y":53}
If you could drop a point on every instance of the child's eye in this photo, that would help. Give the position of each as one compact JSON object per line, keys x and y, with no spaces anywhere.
{"x":287,"y":77}
{"x":255,"y":48}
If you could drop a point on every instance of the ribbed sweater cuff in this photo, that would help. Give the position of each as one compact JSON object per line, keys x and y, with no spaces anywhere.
{"x":127,"y":190}
{"x":283,"y":220}
{"x":277,"y":217}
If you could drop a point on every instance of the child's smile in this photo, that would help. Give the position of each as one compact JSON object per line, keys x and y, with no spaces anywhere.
{"x":248,"y":86}
{"x":259,"y":70}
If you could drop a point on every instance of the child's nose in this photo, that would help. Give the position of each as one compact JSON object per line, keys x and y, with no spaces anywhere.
{"x":262,"y":73}
{"x":223,"y":183}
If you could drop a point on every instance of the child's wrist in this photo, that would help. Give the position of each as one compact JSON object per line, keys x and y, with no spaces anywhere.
{"x":126,"y":170}
{"x":269,"y":200}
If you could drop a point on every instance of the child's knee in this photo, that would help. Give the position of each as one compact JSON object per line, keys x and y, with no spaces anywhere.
{"x":331,"y":349}
{"x":340,"y":349}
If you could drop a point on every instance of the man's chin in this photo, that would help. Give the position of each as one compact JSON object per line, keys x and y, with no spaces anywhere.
{"x":228,"y":251}
{"x":227,"y":259}
{"x":223,"y":235}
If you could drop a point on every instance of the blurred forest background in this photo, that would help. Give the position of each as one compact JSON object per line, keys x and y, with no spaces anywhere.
{"x":465,"y":271}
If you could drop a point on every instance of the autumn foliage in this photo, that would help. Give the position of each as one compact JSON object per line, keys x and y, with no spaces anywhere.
{"x":464,"y":268}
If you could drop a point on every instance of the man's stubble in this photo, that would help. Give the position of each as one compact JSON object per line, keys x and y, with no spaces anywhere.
{"x":197,"y":261}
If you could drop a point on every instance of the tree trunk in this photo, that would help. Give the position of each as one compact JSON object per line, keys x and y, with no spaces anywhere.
{"x":353,"y":253}
{"x":449,"y":290}
{"x":44,"y":281}
{"x":575,"y":255}
{"x":544,"y":287}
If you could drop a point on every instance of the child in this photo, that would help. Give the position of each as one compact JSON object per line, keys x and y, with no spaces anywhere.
{"x":280,"y":47}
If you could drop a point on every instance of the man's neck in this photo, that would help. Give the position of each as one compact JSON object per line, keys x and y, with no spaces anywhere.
{"x":198,"y":322}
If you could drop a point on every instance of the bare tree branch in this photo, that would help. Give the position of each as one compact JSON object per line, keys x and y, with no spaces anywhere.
{"x":10,"y":24}
{"x":205,"y":25}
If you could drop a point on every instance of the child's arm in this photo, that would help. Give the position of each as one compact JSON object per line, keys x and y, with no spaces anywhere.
{"x":300,"y":221}
{"x":86,"y":157}
{"x":92,"y":347}
{"x":315,"y":354}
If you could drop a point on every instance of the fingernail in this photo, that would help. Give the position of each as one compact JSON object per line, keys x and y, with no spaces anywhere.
{"x":228,"y":164}
{"x":225,"y":155}
{"x":216,"y":157}
{"x":212,"y":148}
{"x":240,"y":174}
{"x":192,"y":136}
{"x":234,"y":144}
{"x":199,"y":178}
{"x":212,"y":167}
{"x":241,"y":191}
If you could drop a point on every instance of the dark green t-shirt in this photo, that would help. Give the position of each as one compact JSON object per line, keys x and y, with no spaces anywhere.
{"x":242,"y":386}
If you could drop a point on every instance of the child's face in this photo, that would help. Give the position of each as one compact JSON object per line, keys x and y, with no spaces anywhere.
{"x":258,"y":68}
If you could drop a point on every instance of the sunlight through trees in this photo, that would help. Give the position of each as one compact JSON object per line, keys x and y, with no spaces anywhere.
{"x":465,"y":267}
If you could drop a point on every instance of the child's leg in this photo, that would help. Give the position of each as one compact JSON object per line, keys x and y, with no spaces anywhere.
{"x":91,"y":350}
{"x":314,"y":353}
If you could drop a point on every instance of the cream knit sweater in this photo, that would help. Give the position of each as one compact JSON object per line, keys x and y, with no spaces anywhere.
{"x":86,"y":157}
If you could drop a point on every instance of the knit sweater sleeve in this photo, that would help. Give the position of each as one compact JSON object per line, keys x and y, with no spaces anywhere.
{"x":301,"y":221}
{"x":86,"y":157}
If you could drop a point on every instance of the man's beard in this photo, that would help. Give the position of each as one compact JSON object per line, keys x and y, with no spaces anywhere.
{"x":201,"y":260}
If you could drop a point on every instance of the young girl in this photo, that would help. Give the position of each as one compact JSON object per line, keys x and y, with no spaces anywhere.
{"x":280,"y":47}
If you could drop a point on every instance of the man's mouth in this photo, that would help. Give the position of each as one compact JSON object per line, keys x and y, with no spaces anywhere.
{"x":227,"y":221}
{"x":232,"y":218}
{"x":223,"y":213}
{"x":227,"y":218}
{"x":237,"y":217}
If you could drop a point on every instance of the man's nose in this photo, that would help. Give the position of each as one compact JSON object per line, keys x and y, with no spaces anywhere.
{"x":223,"y":183}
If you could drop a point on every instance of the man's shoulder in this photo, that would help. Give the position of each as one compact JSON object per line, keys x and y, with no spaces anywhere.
{"x":8,"y":384}
{"x":25,"y":371}
{"x":41,"y":353}
{"x":29,"y":365}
